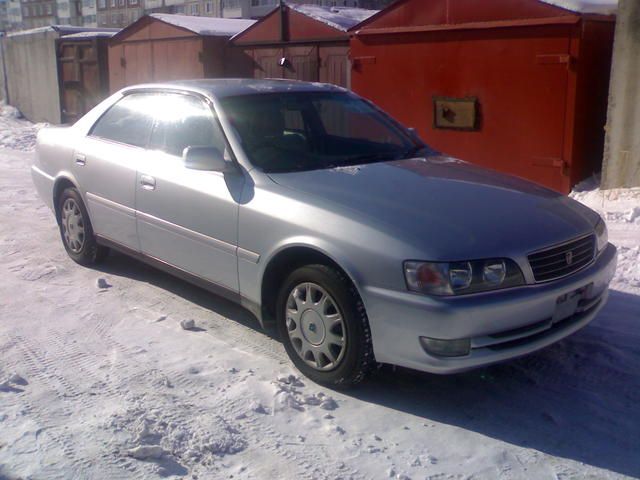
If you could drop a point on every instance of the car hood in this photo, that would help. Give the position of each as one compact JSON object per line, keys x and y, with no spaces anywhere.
{"x":446,"y":208}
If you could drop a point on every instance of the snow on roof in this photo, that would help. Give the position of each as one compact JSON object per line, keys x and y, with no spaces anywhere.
{"x":602,"y":7}
{"x":340,"y":18}
{"x":92,"y":34}
{"x":220,"y":27}
{"x":61,"y":29}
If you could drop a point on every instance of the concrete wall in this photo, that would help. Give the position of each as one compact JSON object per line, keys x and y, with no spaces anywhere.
{"x":32,"y":75}
{"x":621,"y":165}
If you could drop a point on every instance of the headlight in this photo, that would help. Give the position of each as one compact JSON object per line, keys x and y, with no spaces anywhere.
{"x":602,"y":236}
{"x":457,"y":278}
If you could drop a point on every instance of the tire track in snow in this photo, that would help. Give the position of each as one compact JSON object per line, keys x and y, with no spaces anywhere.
{"x":52,"y":420}
{"x":69,"y":356}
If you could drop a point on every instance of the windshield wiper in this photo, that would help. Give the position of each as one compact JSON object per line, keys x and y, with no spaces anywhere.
{"x":368,"y":158}
{"x":411,"y":153}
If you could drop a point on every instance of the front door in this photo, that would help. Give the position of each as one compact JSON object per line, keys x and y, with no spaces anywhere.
{"x":188,"y":218}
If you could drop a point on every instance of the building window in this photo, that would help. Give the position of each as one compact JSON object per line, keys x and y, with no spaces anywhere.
{"x":113,"y":3}
{"x":133,"y":2}
{"x":114,"y":19}
{"x":208,"y":7}
{"x":48,"y":9}
{"x":121,"y":3}
{"x":195,"y":9}
{"x":102,"y":3}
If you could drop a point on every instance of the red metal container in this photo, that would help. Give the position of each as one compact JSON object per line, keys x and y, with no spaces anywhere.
{"x":515,"y":85}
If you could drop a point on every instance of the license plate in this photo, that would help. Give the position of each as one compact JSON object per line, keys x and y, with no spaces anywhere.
{"x":567,"y":304}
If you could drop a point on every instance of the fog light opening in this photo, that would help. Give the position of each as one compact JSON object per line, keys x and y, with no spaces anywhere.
{"x":446,"y":348}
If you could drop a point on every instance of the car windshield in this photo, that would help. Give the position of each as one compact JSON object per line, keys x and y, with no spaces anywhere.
{"x":284,"y":132}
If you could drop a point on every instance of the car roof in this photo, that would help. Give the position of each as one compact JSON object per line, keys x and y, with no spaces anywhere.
{"x":231,"y":87}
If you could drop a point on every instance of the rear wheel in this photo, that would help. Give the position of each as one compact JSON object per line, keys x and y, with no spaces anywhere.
{"x":76,"y":230}
{"x":324,"y":326}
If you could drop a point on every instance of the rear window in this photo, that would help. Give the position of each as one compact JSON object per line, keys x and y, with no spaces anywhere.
{"x":128,"y":121}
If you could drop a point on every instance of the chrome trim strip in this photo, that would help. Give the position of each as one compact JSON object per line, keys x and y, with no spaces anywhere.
{"x":42,"y":173}
{"x":111,"y":204}
{"x":191,"y":234}
{"x":248,"y":255}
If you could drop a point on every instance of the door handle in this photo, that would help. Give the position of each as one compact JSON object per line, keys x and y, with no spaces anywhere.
{"x":148,"y":182}
{"x":81,"y":159}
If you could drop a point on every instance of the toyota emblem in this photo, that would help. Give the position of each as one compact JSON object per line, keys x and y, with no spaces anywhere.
{"x":569,"y":257}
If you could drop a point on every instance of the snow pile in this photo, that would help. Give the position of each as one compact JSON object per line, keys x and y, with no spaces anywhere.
{"x":290,"y":395}
{"x":210,"y":26}
{"x":340,"y":18}
{"x":184,"y":432}
{"x":601,"y":7}
{"x":15,"y":132}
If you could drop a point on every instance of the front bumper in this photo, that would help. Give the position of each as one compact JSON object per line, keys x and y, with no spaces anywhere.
{"x":501,"y":324}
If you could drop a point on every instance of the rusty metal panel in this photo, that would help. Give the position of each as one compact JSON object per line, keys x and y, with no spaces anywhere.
{"x":455,"y":113}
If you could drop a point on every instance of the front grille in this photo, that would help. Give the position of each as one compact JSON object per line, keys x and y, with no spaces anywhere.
{"x":560,"y":261}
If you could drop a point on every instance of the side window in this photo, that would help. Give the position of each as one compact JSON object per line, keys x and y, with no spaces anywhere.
{"x":128,"y":121}
{"x":184,"y":121}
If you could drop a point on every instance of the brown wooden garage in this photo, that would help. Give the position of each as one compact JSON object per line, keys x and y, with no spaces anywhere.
{"x":83,"y":72}
{"x":302,"y":42}
{"x":163,"y":47}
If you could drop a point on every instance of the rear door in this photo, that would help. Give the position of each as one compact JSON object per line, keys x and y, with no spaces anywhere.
{"x":106,"y":163}
{"x":188,"y":218}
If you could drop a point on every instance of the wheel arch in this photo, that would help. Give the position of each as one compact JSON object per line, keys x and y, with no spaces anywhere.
{"x":290,"y":257}
{"x":61,"y":183}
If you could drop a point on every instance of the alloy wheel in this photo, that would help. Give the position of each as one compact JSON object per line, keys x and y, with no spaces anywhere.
{"x":72,"y":225}
{"x":315,"y":326}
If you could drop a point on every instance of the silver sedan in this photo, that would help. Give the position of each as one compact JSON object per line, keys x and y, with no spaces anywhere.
{"x":317,"y":211}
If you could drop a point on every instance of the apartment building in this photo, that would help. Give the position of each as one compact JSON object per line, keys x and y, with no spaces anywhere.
{"x":14,"y":14}
{"x":23,"y":14}
{"x":260,"y":8}
{"x":4,"y":20}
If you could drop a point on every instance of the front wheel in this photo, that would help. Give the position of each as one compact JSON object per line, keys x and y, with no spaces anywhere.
{"x":324,"y":326}
{"x":76,"y":230}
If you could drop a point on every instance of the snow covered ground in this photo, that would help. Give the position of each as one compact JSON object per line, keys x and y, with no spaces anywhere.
{"x":99,"y":380}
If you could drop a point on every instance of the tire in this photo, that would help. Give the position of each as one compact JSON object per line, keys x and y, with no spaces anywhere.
{"x":301,"y":299}
{"x":76,"y":230}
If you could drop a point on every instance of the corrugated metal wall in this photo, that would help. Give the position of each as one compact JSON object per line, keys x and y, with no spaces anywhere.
{"x":32,"y":75}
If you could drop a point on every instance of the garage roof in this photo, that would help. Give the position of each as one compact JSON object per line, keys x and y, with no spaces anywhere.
{"x":208,"y":26}
{"x":601,"y":7}
{"x":340,"y":18}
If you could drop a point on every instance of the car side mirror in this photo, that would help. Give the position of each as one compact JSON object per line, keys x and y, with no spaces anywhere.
{"x":206,"y":158}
